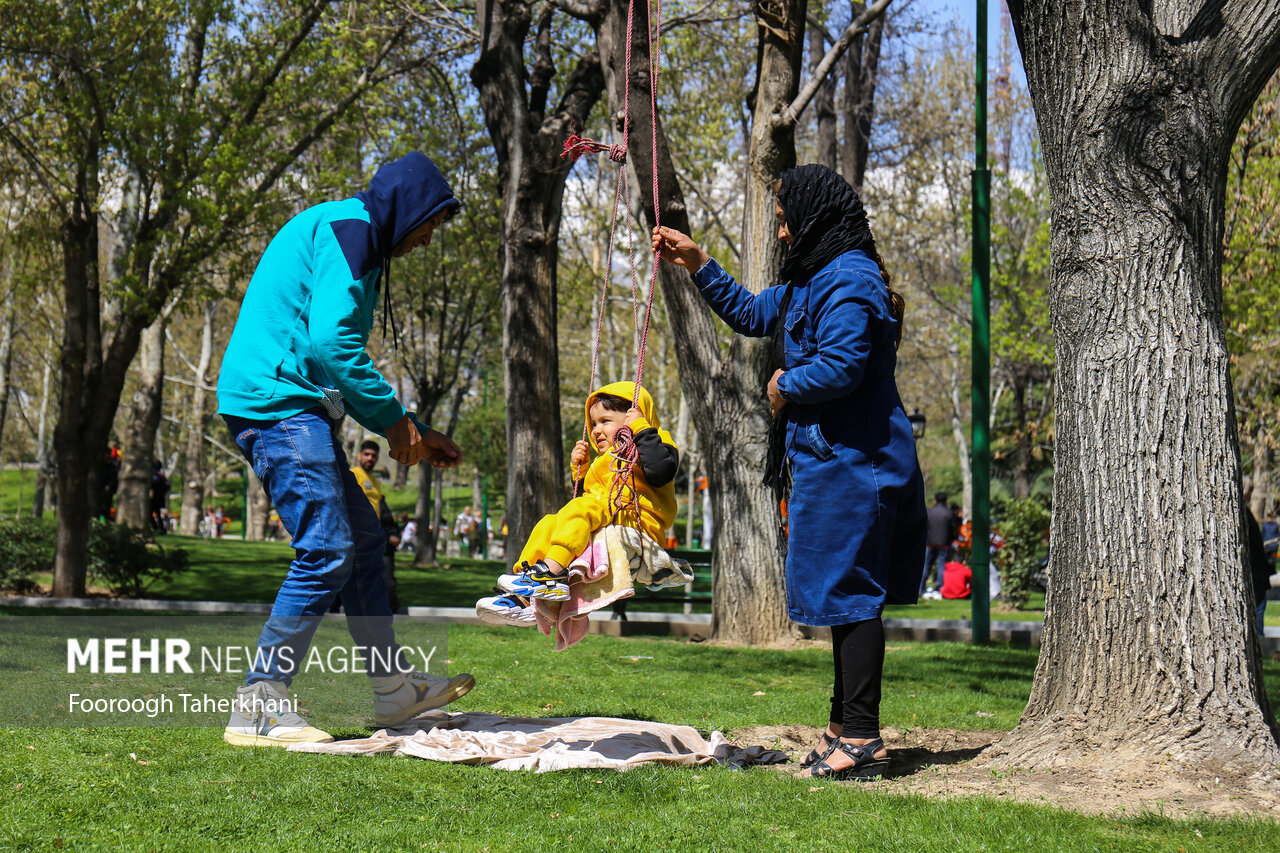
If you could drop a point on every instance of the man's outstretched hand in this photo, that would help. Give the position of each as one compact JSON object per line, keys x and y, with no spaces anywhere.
{"x":409,"y":446}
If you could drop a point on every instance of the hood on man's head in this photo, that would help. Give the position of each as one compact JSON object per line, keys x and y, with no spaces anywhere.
{"x":626,"y":390}
{"x":404,"y":194}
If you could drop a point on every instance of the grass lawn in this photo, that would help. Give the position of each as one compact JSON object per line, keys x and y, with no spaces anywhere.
{"x":146,"y":788}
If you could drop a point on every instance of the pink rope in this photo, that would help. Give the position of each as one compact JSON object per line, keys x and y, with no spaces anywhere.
{"x":624,"y":448}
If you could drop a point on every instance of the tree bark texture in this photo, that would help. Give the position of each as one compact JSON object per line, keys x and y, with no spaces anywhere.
{"x":1149,"y":646}
{"x":78,"y":443}
{"x":528,"y":139}
{"x":193,"y":472}
{"x":145,"y":409}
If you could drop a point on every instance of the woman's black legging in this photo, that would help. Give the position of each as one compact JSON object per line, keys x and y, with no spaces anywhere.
{"x":858,"y":649}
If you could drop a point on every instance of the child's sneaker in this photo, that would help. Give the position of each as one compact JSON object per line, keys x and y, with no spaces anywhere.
{"x":517,"y":584}
{"x":398,"y":697}
{"x":505,"y":610}
{"x":555,"y":588}
{"x":537,"y":581}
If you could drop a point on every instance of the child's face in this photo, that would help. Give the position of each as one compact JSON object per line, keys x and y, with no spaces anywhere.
{"x":603,"y":424}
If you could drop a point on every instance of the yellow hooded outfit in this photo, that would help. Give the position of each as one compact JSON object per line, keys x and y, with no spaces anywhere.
{"x":565,"y":535}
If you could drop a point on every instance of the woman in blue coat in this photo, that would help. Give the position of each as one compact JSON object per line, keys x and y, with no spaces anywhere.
{"x":856,"y":511}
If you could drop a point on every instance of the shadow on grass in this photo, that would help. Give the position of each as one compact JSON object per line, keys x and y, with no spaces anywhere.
{"x":911,"y":760}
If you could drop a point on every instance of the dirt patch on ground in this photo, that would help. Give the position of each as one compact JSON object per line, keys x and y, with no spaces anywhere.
{"x":939,"y":763}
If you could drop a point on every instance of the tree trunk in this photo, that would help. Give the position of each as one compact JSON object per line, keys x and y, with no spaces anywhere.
{"x":861,"y":70}
{"x":1259,"y":502}
{"x":6,"y":360}
{"x":528,"y":140}
{"x":80,"y":449}
{"x":134,"y":501}
{"x":193,"y":465}
{"x":725,"y":392}
{"x":424,"y":511}
{"x":258,"y":510}
{"x":1021,"y":437}
{"x":961,"y":438}
{"x":44,"y":451}
{"x":824,"y":103}
{"x":1149,"y":650}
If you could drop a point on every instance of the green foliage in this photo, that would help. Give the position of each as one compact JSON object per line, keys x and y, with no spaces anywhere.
{"x":122,"y":559}
{"x":26,"y":549}
{"x":1251,"y":273}
{"x":1024,"y":524}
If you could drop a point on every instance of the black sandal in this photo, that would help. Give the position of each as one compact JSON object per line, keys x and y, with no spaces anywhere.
{"x":819,"y":752}
{"x":865,"y":767}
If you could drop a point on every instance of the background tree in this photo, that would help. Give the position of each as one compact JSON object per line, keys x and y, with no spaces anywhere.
{"x":529,"y":113}
{"x":171,"y":105}
{"x":1149,"y":649}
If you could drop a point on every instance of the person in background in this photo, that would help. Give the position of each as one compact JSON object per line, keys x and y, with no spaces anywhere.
{"x":942,"y":532}
{"x":366,"y":461}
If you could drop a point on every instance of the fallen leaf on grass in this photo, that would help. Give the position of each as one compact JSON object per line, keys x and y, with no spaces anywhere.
{"x":812,"y":788}
{"x":31,"y":747}
{"x":984,"y":714}
{"x":17,"y":787}
{"x":758,"y":693}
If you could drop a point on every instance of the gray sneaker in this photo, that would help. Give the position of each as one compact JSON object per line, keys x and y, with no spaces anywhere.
{"x":264,"y":715}
{"x":398,"y":697}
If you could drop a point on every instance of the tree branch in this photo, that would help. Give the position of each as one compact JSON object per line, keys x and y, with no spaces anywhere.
{"x":1242,"y":38}
{"x":791,"y":113}
{"x":589,"y":11}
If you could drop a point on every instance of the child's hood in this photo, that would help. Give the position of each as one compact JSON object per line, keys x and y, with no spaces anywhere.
{"x":626,"y":390}
{"x":402,"y":195}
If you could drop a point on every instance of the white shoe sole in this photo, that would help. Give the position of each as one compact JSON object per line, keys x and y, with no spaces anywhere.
{"x":308,"y":735}
{"x":459,"y":685}
{"x":505,"y":618}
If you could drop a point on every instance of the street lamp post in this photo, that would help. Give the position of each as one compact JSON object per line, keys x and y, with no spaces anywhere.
{"x":917,"y":424}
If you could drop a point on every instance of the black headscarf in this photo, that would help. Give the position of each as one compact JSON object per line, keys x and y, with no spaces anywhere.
{"x":826,"y":219}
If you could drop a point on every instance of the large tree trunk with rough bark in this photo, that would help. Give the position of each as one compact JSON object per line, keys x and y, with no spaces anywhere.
{"x":1149,"y":652}
{"x":528,"y":138}
{"x":258,"y":510}
{"x":134,"y":499}
{"x":861,"y":73}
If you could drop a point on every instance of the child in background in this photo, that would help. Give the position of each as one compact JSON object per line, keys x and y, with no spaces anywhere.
{"x":541,"y":570}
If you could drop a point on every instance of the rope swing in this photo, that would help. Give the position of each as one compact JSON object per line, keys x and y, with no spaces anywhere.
{"x":624,"y":449}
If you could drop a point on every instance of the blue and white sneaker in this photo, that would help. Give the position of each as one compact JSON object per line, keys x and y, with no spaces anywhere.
{"x":518,"y":584}
{"x":505,"y":610}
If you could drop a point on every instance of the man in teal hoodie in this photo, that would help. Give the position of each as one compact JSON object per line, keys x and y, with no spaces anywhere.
{"x":295,"y":365}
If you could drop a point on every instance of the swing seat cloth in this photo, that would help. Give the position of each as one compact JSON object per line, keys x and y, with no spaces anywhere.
{"x":856,"y":513}
{"x":606,"y":571}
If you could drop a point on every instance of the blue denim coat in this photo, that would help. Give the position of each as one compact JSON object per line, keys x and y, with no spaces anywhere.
{"x":856,"y":516}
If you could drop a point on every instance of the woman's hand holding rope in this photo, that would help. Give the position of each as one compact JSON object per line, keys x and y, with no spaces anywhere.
{"x":678,"y":248}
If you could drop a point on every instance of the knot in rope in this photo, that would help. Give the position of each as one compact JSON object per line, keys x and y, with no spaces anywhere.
{"x":575,"y":146}
{"x":625,"y":457}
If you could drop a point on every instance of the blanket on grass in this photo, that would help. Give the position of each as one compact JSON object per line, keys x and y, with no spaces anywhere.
{"x":550,"y":743}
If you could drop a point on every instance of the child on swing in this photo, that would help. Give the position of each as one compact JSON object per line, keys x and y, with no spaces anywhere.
{"x":542,"y":568}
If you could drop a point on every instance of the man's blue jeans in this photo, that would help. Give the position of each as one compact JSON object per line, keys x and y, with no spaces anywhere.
{"x":337,"y":537}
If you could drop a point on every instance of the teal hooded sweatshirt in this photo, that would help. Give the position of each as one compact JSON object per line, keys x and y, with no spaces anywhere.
{"x":308,"y":310}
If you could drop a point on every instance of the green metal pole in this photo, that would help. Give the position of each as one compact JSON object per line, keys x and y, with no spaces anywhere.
{"x":980,"y":555}
{"x":484,"y":483}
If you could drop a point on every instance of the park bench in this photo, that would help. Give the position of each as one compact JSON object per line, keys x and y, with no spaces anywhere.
{"x":698,"y":592}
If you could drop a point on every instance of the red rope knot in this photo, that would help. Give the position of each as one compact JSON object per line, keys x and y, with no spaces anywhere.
{"x":575,"y":146}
